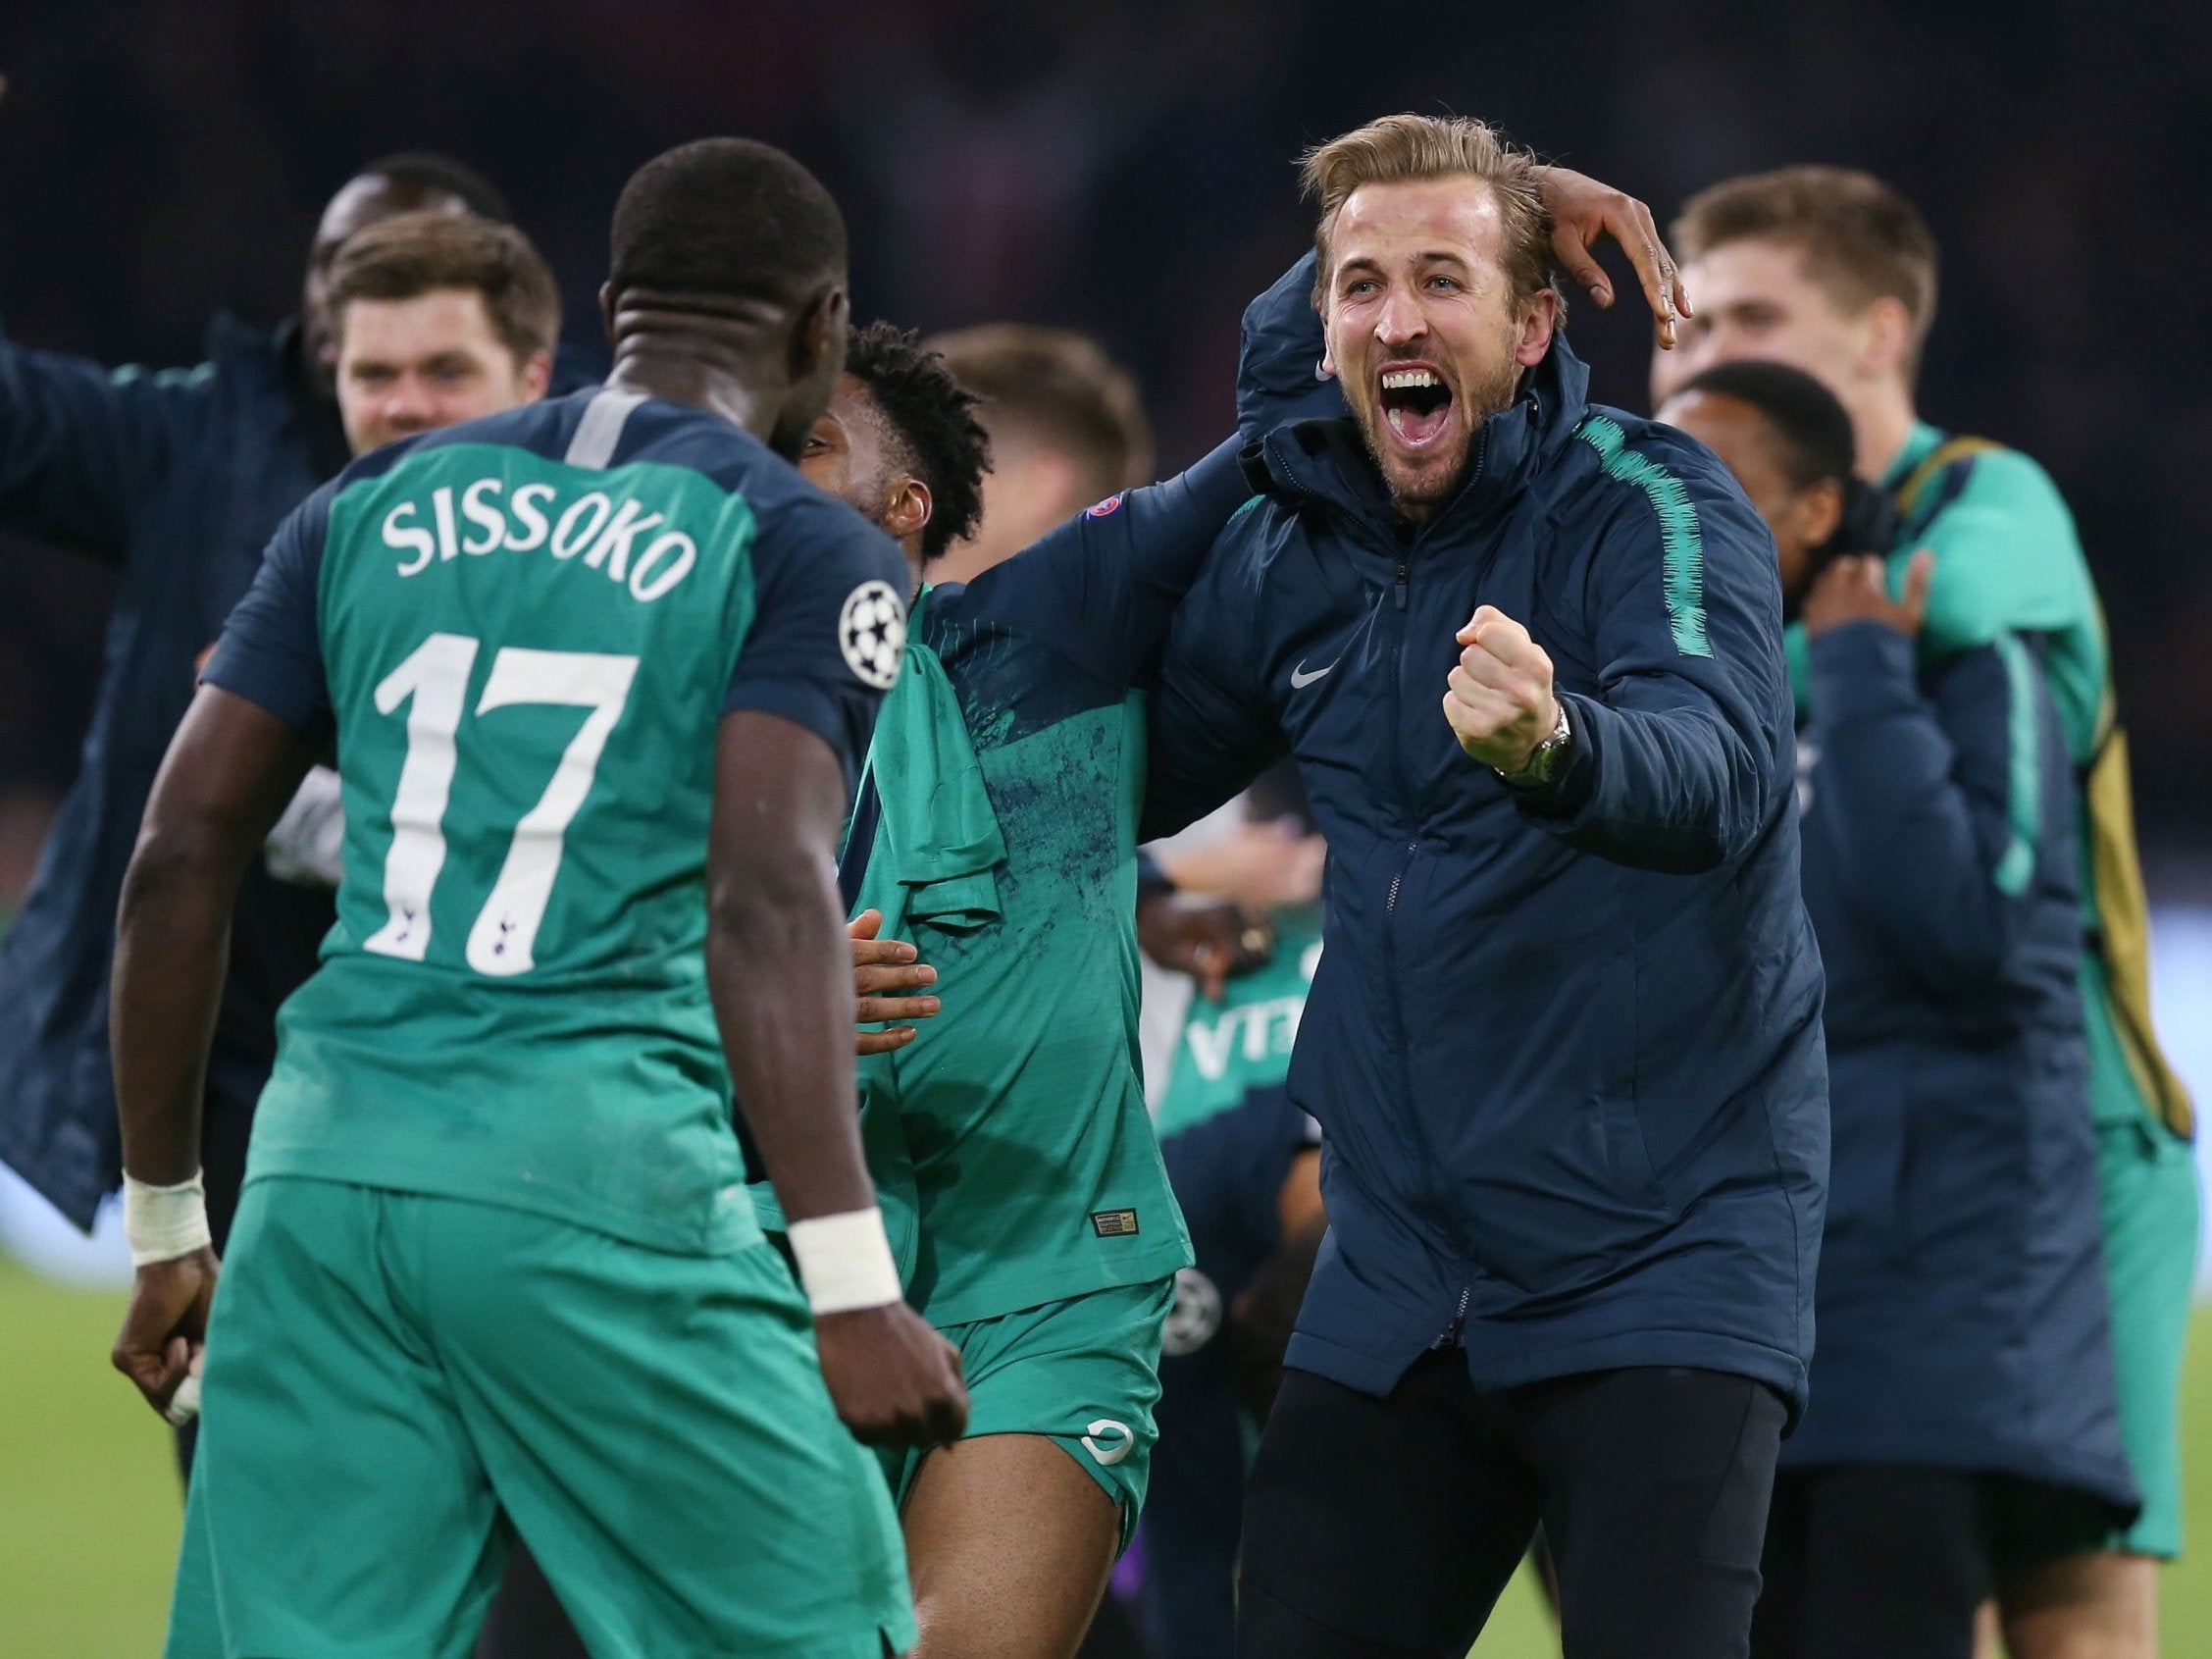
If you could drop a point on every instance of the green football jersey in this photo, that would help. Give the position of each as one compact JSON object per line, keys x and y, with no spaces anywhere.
{"x":522,"y":635}
{"x":1229,"y":1048}
{"x":997,"y":831}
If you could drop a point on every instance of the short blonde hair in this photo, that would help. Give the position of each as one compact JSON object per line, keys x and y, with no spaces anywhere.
{"x":1402,"y":148}
{"x":1862,"y":241}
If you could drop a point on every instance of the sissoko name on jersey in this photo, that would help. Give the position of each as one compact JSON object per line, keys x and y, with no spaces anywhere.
{"x":603,"y":533}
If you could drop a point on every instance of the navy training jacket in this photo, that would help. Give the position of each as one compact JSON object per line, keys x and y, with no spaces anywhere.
{"x":1566,"y":1046}
{"x":177,"y":479}
{"x":1963,"y":1322}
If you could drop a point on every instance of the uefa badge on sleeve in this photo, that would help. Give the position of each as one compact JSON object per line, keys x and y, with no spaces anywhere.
{"x":872,"y":632}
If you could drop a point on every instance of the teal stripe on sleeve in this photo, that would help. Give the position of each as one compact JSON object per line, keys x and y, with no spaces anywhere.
{"x":2023,"y":796}
{"x":1683,"y":546}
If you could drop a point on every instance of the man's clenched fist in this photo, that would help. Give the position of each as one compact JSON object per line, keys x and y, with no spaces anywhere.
{"x":1501,"y":702}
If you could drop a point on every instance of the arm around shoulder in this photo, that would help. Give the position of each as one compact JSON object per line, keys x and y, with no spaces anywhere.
{"x":1211,"y":729}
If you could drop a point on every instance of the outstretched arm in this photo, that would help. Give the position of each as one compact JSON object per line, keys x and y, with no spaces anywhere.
{"x":1101,"y":587}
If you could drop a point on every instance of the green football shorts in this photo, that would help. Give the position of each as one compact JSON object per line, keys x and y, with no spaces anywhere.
{"x":1083,"y":1373}
{"x":2147,"y":1184}
{"x":397,"y":1385}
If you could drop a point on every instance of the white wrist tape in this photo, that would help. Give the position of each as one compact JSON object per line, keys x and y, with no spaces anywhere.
{"x":846,"y":1262}
{"x":185,"y":1404}
{"x":162,"y":1223}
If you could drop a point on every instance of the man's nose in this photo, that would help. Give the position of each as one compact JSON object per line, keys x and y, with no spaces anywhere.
{"x":408,"y":407}
{"x":1401,"y":319}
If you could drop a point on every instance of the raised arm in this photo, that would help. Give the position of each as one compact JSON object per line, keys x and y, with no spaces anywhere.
{"x":82,"y":445}
{"x":1101,"y":587}
{"x":1209,"y":730}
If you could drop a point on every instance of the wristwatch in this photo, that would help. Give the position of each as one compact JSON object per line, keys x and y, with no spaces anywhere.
{"x":1544,"y":760}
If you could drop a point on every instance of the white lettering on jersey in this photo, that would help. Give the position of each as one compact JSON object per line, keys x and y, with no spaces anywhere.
{"x":681,"y":554}
{"x":485,"y":517}
{"x":605,"y":532}
{"x":568,"y":539}
{"x":442,"y":508}
{"x":616,"y":539}
{"x":414,"y":538}
{"x":530,"y":514}
{"x":1266,"y":1027}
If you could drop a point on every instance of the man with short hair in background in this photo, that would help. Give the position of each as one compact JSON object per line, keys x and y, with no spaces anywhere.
{"x":175,"y":479}
{"x":1834,"y":273}
{"x":1067,"y":429}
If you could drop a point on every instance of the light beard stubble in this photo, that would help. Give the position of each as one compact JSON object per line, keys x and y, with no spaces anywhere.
{"x":1489,"y":399}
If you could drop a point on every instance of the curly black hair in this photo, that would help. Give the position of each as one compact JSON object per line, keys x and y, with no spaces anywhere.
{"x":934,"y":421}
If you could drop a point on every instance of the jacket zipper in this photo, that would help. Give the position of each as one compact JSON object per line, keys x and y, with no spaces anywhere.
{"x":1431,"y":1189}
{"x":1423,"y":1192}
{"x":1450,"y":1334}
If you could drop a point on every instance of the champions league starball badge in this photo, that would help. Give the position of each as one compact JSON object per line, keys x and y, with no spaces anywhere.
{"x":872,"y":632}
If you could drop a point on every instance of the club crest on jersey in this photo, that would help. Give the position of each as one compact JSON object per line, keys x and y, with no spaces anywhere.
{"x":1107,"y":508}
{"x":872,"y":633}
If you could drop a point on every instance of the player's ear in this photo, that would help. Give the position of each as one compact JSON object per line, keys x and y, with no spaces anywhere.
{"x":1536,"y":328}
{"x":1890,"y":331}
{"x":1818,"y":512}
{"x":908,"y":513}
{"x":537,"y":376}
{"x":818,"y":341}
{"x":606,"y":308}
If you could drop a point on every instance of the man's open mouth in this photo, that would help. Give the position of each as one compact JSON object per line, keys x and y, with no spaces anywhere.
{"x":1416,"y":403}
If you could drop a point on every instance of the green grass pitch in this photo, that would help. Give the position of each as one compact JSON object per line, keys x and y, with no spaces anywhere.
{"x":89,"y":1509}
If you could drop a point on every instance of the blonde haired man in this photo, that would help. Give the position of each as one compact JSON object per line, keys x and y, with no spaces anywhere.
{"x":1526,"y":653}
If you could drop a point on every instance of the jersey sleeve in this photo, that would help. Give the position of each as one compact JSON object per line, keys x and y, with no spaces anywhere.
{"x":1099,"y":588}
{"x":1209,"y":729}
{"x":2008,"y":560}
{"x":272,"y":648}
{"x":829,"y":626}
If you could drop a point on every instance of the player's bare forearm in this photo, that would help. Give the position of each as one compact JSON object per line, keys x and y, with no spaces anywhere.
{"x":173,"y":941}
{"x":230,"y":770}
{"x":779,"y":962}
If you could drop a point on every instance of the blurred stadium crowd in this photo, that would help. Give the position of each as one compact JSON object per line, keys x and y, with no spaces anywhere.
{"x":1127,"y":174}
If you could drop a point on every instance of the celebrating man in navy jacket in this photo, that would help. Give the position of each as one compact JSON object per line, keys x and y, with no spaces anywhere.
{"x":1565,"y":1040}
